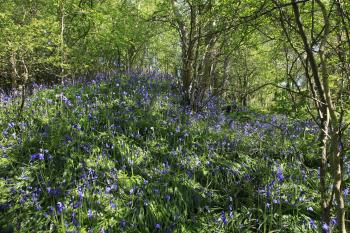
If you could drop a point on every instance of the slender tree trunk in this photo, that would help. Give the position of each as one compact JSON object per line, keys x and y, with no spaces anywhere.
{"x":62,"y":41}
{"x":189,"y":41}
{"x":187,"y":74}
{"x":25,"y":77}
{"x":329,"y":133}
{"x":208,"y":60}
{"x":323,"y":114}
{"x":325,"y":199}
{"x":14,"y":74}
{"x":337,"y":164}
{"x":337,"y":167}
{"x":226,"y":68}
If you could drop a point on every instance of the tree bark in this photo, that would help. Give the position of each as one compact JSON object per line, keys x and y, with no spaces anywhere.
{"x":14,"y":73}
{"x":329,"y":136}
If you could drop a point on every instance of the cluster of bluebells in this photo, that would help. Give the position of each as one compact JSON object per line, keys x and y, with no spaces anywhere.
{"x":38,"y":156}
{"x":121,"y":146}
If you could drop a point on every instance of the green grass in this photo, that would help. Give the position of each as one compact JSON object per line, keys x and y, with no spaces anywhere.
{"x":126,"y":162}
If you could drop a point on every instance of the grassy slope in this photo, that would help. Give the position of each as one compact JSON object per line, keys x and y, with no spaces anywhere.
{"x":121,"y":155}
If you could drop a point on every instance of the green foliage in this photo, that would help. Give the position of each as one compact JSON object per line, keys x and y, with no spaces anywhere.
{"x":123,"y":151}
{"x":120,"y":153}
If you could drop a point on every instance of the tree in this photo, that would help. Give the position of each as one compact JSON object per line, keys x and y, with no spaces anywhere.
{"x":315,"y":53}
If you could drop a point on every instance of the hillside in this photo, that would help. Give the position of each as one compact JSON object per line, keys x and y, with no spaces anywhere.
{"x":119,"y":154}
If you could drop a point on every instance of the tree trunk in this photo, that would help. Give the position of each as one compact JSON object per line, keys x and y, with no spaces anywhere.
{"x":62,"y":39}
{"x":329,"y":133}
{"x":207,"y":68}
{"x":14,"y":74}
{"x":187,"y":74}
{"x":25,"y":77}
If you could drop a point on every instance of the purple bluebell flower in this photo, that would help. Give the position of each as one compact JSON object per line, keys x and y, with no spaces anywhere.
{"x":167,"y":197}
{"x":65,"y":100}
{"x":108,"y":189}
{"x":334,"y":221}
{"x":80,"y":192}
{"x":325,"y":227}
{"x":77,"y":204}
{"x":112,"y":204}
{"x":346,"y":193}
{"x":279,"y":175}
{"x":189,"y":174}
{"x":53,"y":191}
{"x":157,"y":226}
{"x":90,"y":214}
{"x":313,"y":224}
{"x":74,"y":219}
{"x":90,"y":117}
{"x":39,"y":156}
{"x":76,"y":126}
{"x":51,"y":210}
{"x":122,"y":223}
{"x":223,"y":217}
{"x":23,"y":200}
{"x":60,"y":207}
{"x":340,"y":146}
{"x":11,"y":125}
{"x":156,"y":191}
{"x":275,"y":201}
{"x":5,"y":133}
{"x":230,"y":211}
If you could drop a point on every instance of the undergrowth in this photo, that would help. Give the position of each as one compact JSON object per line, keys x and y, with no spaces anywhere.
{"x":119,"y":154}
